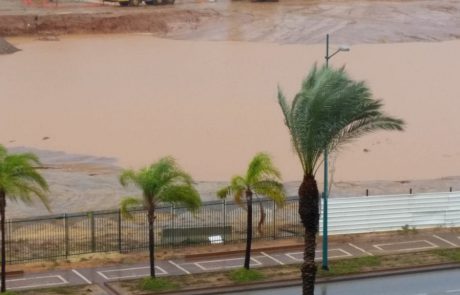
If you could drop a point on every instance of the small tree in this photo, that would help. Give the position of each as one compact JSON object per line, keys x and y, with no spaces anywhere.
{"x":161,"y":182}
{"x":19,"y":181}
{"x":261,"y":178}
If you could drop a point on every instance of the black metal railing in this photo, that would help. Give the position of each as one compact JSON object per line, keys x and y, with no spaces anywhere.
{"x":59,"y":236}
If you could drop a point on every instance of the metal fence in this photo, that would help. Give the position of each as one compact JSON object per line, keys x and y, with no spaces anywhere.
{"x":105,"y":231}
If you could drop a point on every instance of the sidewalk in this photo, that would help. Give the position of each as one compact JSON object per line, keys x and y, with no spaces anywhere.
{"x":265,"y":253}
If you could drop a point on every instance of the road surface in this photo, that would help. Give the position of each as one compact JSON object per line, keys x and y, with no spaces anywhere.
{"x":445,"y":282}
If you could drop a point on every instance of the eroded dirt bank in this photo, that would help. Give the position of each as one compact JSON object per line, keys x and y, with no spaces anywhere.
{"x":288,"y":21}
{"x":158,"y":22}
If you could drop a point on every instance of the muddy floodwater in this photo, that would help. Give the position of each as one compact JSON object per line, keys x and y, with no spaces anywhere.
{"x":213,"y":104}
{"x":130,"y":99}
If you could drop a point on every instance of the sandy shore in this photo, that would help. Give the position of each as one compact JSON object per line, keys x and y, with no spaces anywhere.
{"x":129,"y":99}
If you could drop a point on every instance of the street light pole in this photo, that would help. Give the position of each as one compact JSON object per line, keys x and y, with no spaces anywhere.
{"x":325,"y":190}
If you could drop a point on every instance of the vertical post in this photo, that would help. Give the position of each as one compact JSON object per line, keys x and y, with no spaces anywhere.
{"x":224,"y":217}
{"x":119,"y":230}
{"x":450,"y":189}
{"x":274,"y":220}
{"x":173,"y":222}
{"x":410,"y":191}
{"x":93,"y":234}
{"x":367,"y":192}
{"x":325,"y":193}
{"x":66,"y":235}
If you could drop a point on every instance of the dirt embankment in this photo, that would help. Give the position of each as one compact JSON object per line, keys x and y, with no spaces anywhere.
{"x":288,"y":21}
{"x":153,"y":21}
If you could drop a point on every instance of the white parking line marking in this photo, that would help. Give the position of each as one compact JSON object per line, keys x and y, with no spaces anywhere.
{"x":179,"y":267}
{"x":379,"y":246}
{"x":81,"y":276}
{"x":272,"y":258}
{"x":62,"y":282}
{"x":199,"y":264}
{"x":343,"y":251}
{"x":360,"y":249}
{"x":445,"y":241}
{"x":347,"y":254}
{"x":103,"y":272}
{"x":453,"y":291}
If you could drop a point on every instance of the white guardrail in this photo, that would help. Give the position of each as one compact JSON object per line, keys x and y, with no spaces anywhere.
{"x":349,"y":215}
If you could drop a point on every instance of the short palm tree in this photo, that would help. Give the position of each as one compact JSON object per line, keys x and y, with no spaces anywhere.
{"x":262,"y":178}
{"x":19,"y":180}
{"x":161,"y":182}
{"x":329,"y":111}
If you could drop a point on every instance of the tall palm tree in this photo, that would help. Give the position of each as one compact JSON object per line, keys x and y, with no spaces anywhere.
{"x":262,"y":178}
{"x":19,"y":180}
{"x":161,"y":182}
{"x":329,"y":111}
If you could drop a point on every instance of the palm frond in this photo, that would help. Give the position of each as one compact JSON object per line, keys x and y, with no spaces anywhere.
{"x":184,"y":195}
{"x":272,"y":190}
{"x":19,"y":178}
{"x":261,"y":167}
{"x":164,"y":181}
{"x":128,"y":177}
{"x":127,"y":204}
{"x":331,"y":110}
{"x":224,"y":192}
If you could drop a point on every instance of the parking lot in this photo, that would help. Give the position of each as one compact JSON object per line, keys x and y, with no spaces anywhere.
{"x":259,"y":258}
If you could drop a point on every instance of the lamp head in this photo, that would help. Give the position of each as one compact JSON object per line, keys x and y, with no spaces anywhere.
{"x":344,"y":48}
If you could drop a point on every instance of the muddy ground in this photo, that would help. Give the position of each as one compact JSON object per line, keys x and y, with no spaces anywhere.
{"x":86,"y":183}
{"x":287,"y":21}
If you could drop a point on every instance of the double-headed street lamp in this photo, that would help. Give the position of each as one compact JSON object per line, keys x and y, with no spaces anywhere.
{"x":325,"y":191}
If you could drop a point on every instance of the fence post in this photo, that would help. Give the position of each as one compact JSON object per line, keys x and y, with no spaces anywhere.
{"x":119,"y":230}
{"x":66,"y":235}
{"x":274,"y":220}
{"x":93,"y":234}
{"x":224,"y":213}
{"x":173,"y":222}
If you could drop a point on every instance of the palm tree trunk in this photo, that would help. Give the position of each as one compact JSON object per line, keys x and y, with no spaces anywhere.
{"x":262,"y":218}
{"x":247,"y":257}
{"x":151,"y":218}
{"x":3,"y":252}
{"x":309,"y":216}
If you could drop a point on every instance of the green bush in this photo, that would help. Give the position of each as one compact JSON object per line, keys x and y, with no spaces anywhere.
{"x":9,"y":293}
{"x":157,"y":284}
{"x":243,"y":275}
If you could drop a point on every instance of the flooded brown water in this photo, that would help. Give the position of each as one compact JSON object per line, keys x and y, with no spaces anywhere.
{"x":213,"y":105}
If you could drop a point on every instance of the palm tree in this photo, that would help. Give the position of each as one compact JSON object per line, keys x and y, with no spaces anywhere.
{"x":19,"y":180}
{"x":262,"y":178}
{"x":329,"y":111}
{"x":161,"y":182}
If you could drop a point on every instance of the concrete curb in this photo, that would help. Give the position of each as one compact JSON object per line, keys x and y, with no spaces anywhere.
{"x":297,"y":282}
{"x":235,"y":252}
{"x":14,"y":273}
{"x":111,"y":289}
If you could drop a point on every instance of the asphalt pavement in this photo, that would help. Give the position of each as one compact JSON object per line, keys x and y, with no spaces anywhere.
{"x":260,"y":257}
{"x":445,"y":282}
